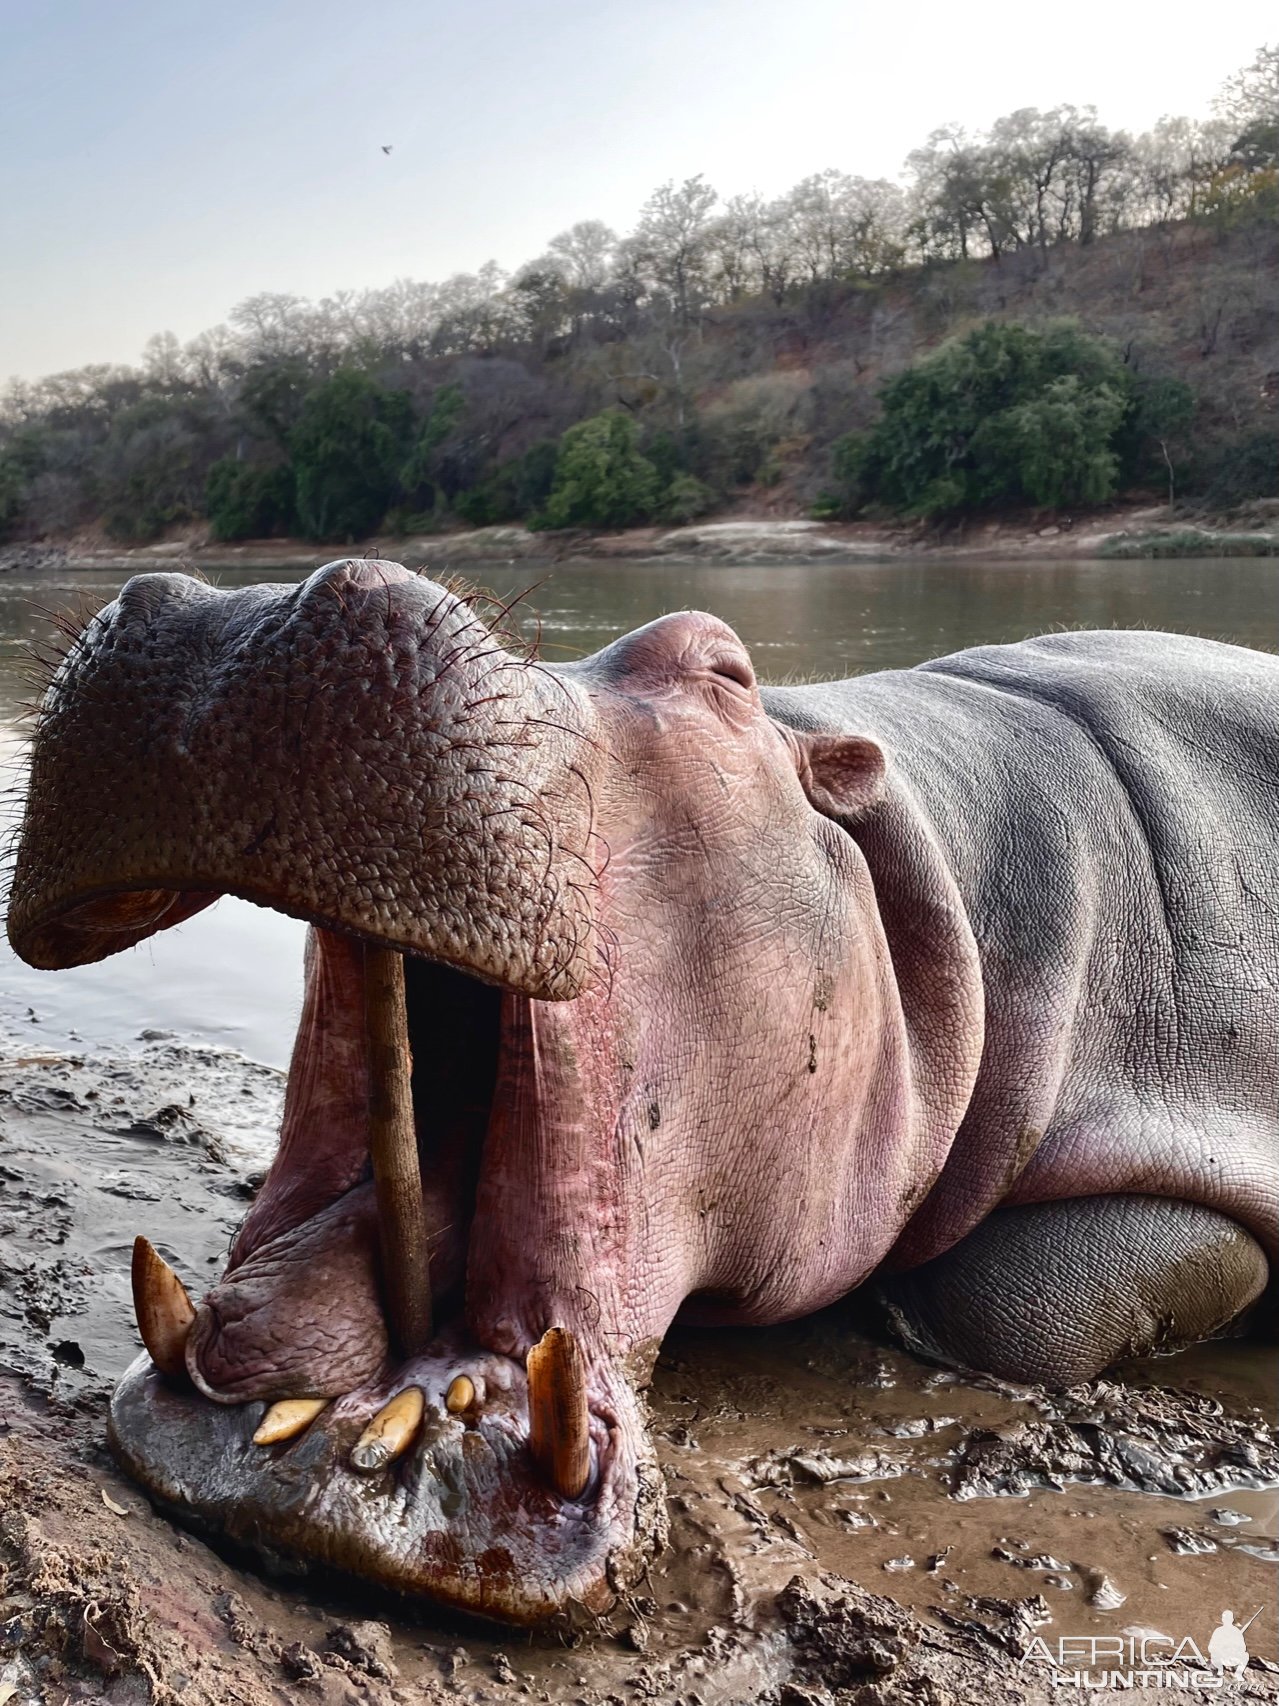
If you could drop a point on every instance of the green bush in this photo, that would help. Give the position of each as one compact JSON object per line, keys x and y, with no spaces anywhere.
{"x":247,"y":501}
{"x":425,"y":474}
{"x":150,"y":471}
{"x":601,"y":478}
{"x":1190,"y":542}
{"x":514,"y":491}
{"x":347,"y":450}
{"x":1236,"y":472}
{"x":684,"y":499}
{"x":1003,"y":415}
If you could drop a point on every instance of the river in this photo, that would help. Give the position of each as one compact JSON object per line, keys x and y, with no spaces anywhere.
{"x":232,"y":975}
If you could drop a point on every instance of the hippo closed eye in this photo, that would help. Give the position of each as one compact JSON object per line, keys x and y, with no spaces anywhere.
{"x":635,"y":990}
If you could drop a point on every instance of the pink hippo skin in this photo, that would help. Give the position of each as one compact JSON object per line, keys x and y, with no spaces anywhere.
{"x":721,"y":1001}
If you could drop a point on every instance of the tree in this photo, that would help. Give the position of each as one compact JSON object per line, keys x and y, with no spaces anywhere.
{"x":601,"y":479}
{"x":347,"y":449}
{"x":1250,"y":98}
{"x":246,"y":500}
{"x":584,"y":254}
{"x":671,"y":244}
{"x":151,"y":468}
{"x":1003,"y":415}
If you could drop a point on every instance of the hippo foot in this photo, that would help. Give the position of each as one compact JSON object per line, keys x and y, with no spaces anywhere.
{"x":444,"y":1500}
{"x":1055,"y":1292}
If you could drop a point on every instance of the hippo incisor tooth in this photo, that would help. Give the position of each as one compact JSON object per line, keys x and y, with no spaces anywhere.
{"x":558,"y":1425}
{"x":460,"y":1395}
{"x":164,"y":1311}
{"x":390,"y":1431}
{"x":397,"y":1178}
{"x":286,"y":1419}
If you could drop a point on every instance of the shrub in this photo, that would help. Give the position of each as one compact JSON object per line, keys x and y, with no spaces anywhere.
{"x":514,"y":491}
{"x":1235,"y":472}
{"x":347,"y":449}
{"x":684,"y":499}
{"x":1003,"y":415}
{"x":245,"y":500}
{"x":601,"y":479}
{"x":150,"y":472}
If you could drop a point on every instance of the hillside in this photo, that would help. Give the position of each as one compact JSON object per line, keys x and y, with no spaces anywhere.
{"x":731,"y":359}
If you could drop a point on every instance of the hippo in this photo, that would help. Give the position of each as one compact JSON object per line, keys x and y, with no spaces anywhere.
{"x":636,"y":990}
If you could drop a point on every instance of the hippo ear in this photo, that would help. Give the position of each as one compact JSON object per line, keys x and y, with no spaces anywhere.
{"x":843,"y":775}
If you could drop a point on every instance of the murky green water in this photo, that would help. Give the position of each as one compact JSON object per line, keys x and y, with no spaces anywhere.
{"x":232,"y":974}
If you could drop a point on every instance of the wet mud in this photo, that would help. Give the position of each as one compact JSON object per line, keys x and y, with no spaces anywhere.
{"x":850,"y":1526}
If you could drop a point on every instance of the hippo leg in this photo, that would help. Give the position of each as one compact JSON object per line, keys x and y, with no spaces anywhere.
{"x":1056,"y":1291}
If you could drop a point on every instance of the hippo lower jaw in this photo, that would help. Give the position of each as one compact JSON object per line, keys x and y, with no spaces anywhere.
{"x":462,"y":1516}
{"x":262,"y":1419}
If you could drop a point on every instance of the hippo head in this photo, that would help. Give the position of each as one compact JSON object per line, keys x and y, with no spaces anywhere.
{"x":659,"y":1057}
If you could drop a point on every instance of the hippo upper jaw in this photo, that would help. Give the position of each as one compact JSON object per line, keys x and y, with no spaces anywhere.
{"x":335,"y":750}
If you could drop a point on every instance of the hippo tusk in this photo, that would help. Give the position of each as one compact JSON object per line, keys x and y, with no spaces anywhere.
{"x":164,"y":1311}
{"x":391,"y":1431}
{"x":558,"y":1425}
{"x":286,"y":1419}
{"x":406,"y":1275}
{"x":460,"y":1395}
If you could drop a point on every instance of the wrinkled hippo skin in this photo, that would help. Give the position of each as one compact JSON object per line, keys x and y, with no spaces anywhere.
{"x":723,"y":1001}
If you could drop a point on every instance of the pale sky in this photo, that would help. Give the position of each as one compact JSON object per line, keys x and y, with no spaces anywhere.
{"x":162,"y":159}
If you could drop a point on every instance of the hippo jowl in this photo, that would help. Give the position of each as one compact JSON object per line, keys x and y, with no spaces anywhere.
{"x":720,"y":1000}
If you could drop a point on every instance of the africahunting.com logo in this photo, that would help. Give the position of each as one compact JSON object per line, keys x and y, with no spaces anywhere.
{"x":1146,"y":1659}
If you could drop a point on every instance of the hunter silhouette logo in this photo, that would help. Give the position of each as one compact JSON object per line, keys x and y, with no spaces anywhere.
{"x":1147,"y":1660}
{"x":1227,"y":1649}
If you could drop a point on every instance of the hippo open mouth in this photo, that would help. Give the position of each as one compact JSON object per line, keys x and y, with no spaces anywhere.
{"x":374,"y":1382}
{"x":355,"y":1416}
{"x":601,"y":1022}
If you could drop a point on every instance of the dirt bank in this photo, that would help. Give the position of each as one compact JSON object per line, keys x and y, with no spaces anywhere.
{"x":739,"y":539}
{"x":850,"y":1526}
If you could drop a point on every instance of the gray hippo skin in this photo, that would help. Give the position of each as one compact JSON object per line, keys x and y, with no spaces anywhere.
{"x":959,"y":982}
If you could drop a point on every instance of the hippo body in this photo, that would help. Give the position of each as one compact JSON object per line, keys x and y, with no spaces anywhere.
{"x":721,"y":1001}
{"x":1108,"y":805}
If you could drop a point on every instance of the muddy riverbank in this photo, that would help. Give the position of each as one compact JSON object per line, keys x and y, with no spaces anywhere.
{"x":1141,"y":530}
{"x":849,"y":1525}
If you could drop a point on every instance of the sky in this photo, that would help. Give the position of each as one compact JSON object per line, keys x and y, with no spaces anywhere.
{"x":160,"y":160}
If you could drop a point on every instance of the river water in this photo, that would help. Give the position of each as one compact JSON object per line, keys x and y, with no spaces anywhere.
{"x":232,"y":975}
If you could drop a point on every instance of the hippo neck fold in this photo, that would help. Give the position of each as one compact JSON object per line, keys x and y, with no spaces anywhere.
{"x":612,"y":1196}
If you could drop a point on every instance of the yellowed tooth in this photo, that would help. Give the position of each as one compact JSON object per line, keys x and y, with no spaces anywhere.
{"x":287,"y":1419}
{"x":460,"y":1395}
{"x":390,"y":1432}
{"x":164,"y":1311}
{"x":558,"y":1424}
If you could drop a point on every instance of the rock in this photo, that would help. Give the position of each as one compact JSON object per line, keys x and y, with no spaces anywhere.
{"x":367,"y":1646}
{"x":300,"y":1664}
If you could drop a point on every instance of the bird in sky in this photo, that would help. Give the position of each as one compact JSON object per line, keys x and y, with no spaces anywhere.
{"x":387,"y":147}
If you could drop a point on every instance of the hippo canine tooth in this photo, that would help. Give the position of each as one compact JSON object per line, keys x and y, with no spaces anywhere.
{"x":164,"y":1311}
{"x":558,"y":1424}
{"x":397,"y":1178}
{"x":286,"y":1419}
{"x":460,"y":1395}
{"x":390,"y":1432}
